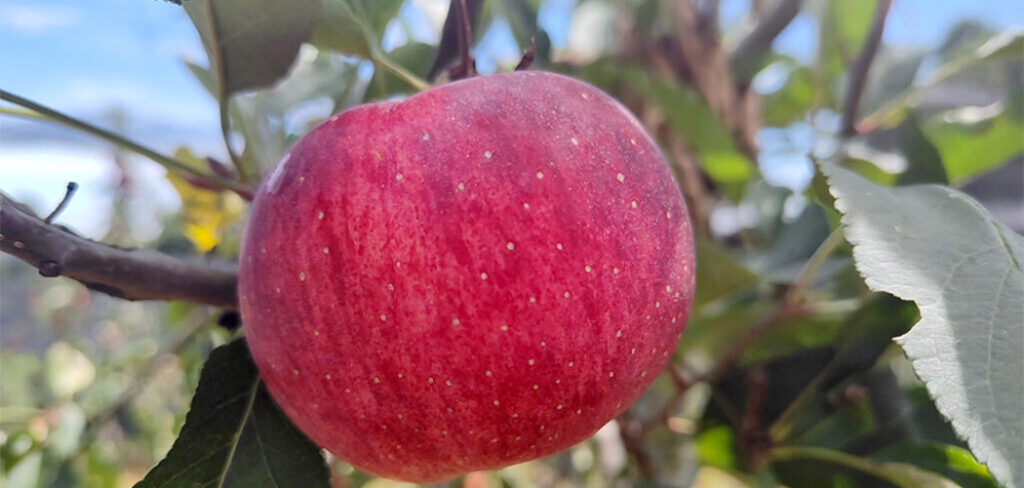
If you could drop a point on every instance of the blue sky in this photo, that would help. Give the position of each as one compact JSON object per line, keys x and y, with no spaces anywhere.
{"x":86,"y":58}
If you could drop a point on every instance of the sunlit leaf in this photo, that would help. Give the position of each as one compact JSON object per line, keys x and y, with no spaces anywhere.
{"x":970,"y":149}
{"x":716,"y":447}
{"x":939,"y":248}
{"x":207,"y":214}
{"x":235,"y":436}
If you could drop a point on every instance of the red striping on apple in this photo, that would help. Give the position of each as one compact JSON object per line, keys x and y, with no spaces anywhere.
{"x":479,"y":275}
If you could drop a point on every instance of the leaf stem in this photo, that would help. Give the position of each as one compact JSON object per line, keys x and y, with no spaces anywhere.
{"x":42,"y":112}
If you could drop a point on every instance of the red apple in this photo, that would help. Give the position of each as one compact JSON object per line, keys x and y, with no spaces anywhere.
{"x":479,"y":275}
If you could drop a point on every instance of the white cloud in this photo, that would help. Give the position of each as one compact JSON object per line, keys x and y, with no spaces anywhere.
{"x":37,"y":19}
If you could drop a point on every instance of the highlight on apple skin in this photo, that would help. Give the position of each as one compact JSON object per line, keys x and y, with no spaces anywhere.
{"x":481,"y":274}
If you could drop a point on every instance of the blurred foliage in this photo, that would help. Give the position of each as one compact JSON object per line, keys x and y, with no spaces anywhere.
{"x":94,"y":391}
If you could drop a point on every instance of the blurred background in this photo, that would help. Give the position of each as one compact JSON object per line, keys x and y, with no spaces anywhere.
{"x":93,"y":389}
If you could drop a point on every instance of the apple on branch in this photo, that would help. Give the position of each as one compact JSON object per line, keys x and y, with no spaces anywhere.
{"x":479,"y":275}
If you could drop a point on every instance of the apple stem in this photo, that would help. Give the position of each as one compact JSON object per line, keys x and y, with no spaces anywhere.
{"x":528,"y":55}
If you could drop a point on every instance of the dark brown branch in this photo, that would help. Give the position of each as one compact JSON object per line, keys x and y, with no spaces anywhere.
{"x":132,"y":274}
{"x":449,"y":47}
{"x":744,"y":58}
{"x":859,"y":70}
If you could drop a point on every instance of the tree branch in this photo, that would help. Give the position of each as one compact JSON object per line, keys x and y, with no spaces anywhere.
{"x":861,"y":66}
{"x":449,"y":47}
{"x":132,"y":274}
{"x":744,"y":58}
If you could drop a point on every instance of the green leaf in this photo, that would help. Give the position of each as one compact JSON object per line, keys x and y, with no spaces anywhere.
{"x":862,"y":339}
{"x":719,"y":275}
{"x":897,"y":474}
{"x":235,"y":436}
{"x":716,"y":447}
{"x":939,"y":248}
{"x":251,"y":44}
{"x":414,"y":56}
{"x":794,"y":244}
{"x":924,"y":163}
{"x":352,"y":26}
{"x":953,"y":462}
{"x":970,"y":149}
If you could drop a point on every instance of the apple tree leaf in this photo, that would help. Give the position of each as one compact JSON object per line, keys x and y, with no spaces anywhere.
{"x":895,"y":474}
{"x":923,"y":158}
{"x":236,"y":436}
{"x":968,"y":149}
{"x":953,"y":462}
{"x":939,"y":248}
{"x":352,"y":26}
{"x":719,"y":274}
{"x":252,"y":44}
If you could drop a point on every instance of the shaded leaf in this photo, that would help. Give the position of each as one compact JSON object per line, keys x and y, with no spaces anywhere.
{"x":352,"y":26}
{"x":953,"y":462}
{"x":861,"y":340}
{"x":252,"y":44}
{"x":414,"y":56}
{"x":895,"y":474}
{"x":939,"y":248}
{"x":924,"y":163}
{"x":235,"y":436}
{"x":719,"y":274}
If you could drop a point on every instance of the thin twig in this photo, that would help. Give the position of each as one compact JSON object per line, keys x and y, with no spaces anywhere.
{"x":744,"y":58}
{"x":72,"y":187}
{"x":132,"y":274}
{"x":859,"y":70}
{"x":170,"y":163}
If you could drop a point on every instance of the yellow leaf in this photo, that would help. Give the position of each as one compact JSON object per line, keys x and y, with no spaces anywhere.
{"x":206,"y":213}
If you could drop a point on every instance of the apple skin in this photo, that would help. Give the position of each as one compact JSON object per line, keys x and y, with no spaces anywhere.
{"x":479,"y":275}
